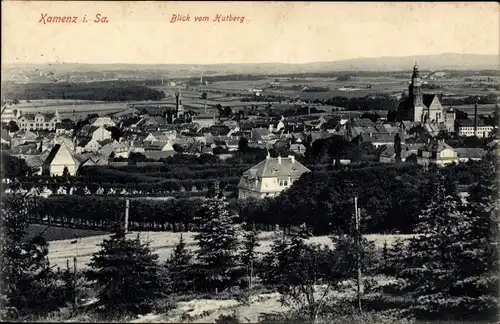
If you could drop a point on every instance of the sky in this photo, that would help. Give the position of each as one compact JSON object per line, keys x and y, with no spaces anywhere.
{"x":285,"y":32}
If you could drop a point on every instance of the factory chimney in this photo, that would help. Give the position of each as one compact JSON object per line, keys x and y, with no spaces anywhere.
{"x":176,"y":103}
{"x":475,"y":119}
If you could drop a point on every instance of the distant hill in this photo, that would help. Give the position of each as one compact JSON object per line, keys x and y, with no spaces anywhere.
{"x":446,"y":61}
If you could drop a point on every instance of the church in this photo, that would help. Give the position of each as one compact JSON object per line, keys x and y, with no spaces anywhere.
{"x":424,"y":108}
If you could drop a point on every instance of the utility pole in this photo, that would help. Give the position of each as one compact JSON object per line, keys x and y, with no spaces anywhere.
{"x":75,"y":283}
{"x":251,"y":265}
{"x":127,"y":206}
{"x":358,"y":250}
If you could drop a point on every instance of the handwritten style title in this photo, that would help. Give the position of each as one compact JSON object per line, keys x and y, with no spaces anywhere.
{"x":218,"y":18}
{"x":46,"y":19}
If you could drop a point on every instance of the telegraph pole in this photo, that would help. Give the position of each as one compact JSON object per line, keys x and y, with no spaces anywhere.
{"x":358,"y":251}
{"x":251,"y":265}
{"x":127,"y":206}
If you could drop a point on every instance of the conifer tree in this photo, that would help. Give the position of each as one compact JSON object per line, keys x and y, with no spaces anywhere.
{"x":430,"y":266}
{"x":275,"y":260}
{"x":250,"y":243}
{"x":474,"y":291}
{"x":28,"y":286}
{"x":127,"y":275}
{"x":179,"y":267}
{"x":217,"y":240}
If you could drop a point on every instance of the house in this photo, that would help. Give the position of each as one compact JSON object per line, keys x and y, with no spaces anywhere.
{"x":65,"y":127}
{"x":35,"y":162}
{"x":378,"y":139}
{"x":270,"y":177}
{"x":262,"y":135}
{"x":157,"y":155}
{"x":465,"y":127}
{"x":39,"y":121}
{"x":59,"y":159}
{"x":103,"y":121}
{"x":88,"y":145}
{"x":92,"y":160}
{"x":466,"y":154}
{"x":388,"y":155}
{"x":115,"y":149}
{"x":159,"y":137}
{"x":298,"y":148}
{"x":24,"y":137}
{"x":101,"y":134}
{"x":437,"y":152}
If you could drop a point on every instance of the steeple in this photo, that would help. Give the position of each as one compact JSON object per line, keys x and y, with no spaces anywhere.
{"x":415,"y":89}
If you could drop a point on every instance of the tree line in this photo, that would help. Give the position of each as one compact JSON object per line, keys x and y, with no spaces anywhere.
{"x":389,"y":197}
{"x":97,"y":91}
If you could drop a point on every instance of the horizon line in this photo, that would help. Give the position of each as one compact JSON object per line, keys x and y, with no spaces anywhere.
{"x":247,"y":63}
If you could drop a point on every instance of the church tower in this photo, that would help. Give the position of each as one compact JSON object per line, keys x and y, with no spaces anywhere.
{"x":179,"y":109}
{"x":416,"y":96}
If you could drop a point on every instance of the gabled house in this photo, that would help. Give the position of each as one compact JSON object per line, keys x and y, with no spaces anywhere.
{"x":438,"y":153}
{"x":270,"y":177}
{"x":262,"y":135}
{"x":59,"y":159}
{"x":101,"y":134}
{"x":103,"y":122}
{"x":388,"y":155}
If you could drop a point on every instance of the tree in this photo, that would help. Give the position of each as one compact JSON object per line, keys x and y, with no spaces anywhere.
{"x":309,"y":274}
{"x":127,"y":275}
{"x":475,"y":253}
{"x":430,"y":268}
{"x":12,"y":127}
{"x":65,"y":173}
{"x":274,"y":261}
{"x":179,"y":266}
{"x":397,"y":147}
{"x":243,"y":144}
{"x":28,"y":287}
{"x":203,"y":95}
{"x":217,"y":240}
{"x":248,"y":255}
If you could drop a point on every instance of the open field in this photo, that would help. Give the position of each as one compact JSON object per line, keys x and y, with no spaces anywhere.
{"x":163,"y":243}
{"x":65,"y":108}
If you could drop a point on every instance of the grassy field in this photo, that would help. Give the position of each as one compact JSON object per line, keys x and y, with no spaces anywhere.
{"x":65,"y":108}
{"x":163,"y":243}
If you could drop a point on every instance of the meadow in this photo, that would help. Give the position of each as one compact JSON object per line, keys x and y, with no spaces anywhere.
{"x":163,"y":243}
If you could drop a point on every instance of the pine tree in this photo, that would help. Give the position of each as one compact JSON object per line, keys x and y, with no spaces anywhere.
{"x":217,"y":240}
{"x":474,"y":291}
{"x":275,"y":260}
{"x":248,"y":255}
{"x":127,"y":275}
{"x":28,"y":285}
{"x":430,"y":267}
{"x":250,"y":243}
{"x":179,"y":267}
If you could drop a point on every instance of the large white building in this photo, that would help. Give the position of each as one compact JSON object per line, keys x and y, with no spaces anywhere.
{"x":38,"y":121}
{"x":270,"y":177}
{"x":465,"y":127}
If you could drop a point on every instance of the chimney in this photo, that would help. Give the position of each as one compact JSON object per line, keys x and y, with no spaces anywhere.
{"x":279,"y":159}
{"x":475,"y":119}
{"x":371,"y":134}
{"x":268,"y":155}
{"x":292,"y":158}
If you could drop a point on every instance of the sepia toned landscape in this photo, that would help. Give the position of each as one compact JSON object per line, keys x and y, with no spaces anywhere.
{"x":287,"y":163}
